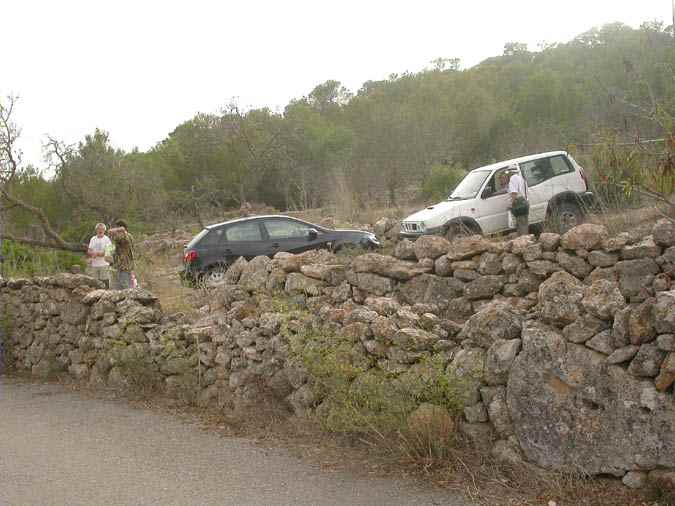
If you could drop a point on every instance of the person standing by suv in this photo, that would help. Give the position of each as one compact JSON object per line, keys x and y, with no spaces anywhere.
{"x":520,"y":206}
{"x":98,"y":249}
{"x":124,"y":254}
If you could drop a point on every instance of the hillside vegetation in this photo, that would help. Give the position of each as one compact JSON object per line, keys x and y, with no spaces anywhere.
{"x":385,"y":144}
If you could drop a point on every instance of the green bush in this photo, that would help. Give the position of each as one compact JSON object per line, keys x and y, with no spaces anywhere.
{"x":441,"y":181}
{"x":22,"y":260}
{"x":358,"y":398}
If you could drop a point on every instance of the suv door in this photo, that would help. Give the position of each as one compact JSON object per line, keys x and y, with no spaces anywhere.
{"x":244,"y":239}
{"x":293,"y":236}
{"x":494,"y":203}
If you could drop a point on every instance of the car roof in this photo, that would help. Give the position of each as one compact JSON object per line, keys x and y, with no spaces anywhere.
{"x":521,"y":159}
{"x":250,"y":218}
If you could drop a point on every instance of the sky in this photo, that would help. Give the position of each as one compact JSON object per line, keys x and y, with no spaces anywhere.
{"x":139,"y":68}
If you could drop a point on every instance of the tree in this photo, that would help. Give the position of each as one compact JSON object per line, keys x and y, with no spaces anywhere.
{"x":10,"y":169}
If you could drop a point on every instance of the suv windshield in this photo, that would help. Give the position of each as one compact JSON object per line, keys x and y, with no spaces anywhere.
{"x":470,"y":185}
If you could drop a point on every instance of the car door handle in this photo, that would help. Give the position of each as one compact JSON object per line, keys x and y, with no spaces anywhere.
{"x":228,"y":251}
{"x":275,"y":245}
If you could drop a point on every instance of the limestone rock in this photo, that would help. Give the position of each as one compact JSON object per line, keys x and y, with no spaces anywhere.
{"x":635,"y":479}
{"x":431,"y":246}
{"x":666,"y":375}
{"x":490,"y":325}
{"x":233,"y":273}
{"x":603,"y":299}
{"x":641,"y":327}
{"x":387,"y":266}
{"x":299,"y":283}
{"x":431,"y":420}
{"x":583,"y":328}
{"x":622,"y":355}
{"x":664,"y":233}
{"x":254,"y":274}
{"x":664,"y":312}
{"x":429,"y":288}
{"x":476,"y":413}
{"x":405,"y":250}
{"x":646,"y":248}
{"x":519,"y":245}
{"x":586,"y":236}
{"x":560,"y":298}
{"x":331,"y":274}
{"x":574,"y":265}
{"x":499,"y":359}
{"x":634,"y":275}
{"x":666,"y":342}
{"x":371,"y":283}
{"x":484,"y":287}
{"x":602,"y":342}
{"x":560,"y":393}
{"x":467,"y":247}
{"x":543,"y":268}
{"x":647,"y":362}
{"x":549,"y":241}
{"x":600,"y":258}
{"x":443,"y":266}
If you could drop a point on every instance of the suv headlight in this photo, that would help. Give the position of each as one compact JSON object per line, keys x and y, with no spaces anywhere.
{"x":421,"y":227}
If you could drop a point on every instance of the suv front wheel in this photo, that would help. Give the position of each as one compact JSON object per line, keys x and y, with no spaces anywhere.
{"x":565,"y":216}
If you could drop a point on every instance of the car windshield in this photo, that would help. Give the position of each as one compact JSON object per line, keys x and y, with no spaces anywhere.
{"x":470,"y":185}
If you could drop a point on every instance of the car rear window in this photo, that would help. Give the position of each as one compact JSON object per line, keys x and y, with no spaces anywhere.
{"x":245,"y":231}
{"x":195,"y":240}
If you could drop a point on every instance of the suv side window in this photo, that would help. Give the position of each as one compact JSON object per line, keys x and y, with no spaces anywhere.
{"x":246,"y":231}
{"x":561,"y":165}
{"x":538,"y":171}
{"x":286,"y":229}
{"x":495,"y":186}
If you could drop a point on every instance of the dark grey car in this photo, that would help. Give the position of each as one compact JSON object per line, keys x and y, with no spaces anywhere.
{"x":211,"y":251}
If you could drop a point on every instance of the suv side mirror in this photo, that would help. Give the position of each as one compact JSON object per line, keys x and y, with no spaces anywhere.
{"x":312,"y":234}
{"x":487,"y":192}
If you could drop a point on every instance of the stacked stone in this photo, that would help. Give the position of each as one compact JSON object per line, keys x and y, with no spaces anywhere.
{"x":566,"y":344}
{"x":45,"y":318}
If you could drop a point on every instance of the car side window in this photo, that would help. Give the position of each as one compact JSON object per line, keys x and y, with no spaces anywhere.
{"x":286,"y":229}
{"x":245,"y":231}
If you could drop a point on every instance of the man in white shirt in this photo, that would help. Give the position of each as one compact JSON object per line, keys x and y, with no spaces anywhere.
{"x":519,"y":200}
{"x":100,"y":248}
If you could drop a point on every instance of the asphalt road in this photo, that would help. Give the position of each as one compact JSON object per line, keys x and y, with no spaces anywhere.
{"x":59,"y":448}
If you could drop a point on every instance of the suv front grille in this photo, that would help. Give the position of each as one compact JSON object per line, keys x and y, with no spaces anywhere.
{"x":410,"y":227}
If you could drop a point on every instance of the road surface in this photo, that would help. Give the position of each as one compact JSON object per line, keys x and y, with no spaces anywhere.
{"x":60,"y":448}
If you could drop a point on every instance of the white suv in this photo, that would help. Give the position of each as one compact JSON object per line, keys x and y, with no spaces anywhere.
{"x":557,"y":189}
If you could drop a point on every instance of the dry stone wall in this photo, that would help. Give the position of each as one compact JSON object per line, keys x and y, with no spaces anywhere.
{"x":567,"y":343}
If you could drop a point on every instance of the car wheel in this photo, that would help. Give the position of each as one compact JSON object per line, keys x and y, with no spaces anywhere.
{"x":459,"y":230}
{"x":566,"y":216}
{"x":215,"y":275}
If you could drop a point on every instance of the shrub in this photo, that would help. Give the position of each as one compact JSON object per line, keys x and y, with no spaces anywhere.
{"x":358,"y":398}
{"x":22,"y":260}
{"x":440,"y":182}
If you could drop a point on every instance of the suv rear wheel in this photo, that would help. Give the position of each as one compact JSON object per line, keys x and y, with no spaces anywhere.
{"x":566,"y":215}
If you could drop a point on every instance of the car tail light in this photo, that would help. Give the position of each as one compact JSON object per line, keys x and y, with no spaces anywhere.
{"x":190,"y":257}
{"x":583,"y":177}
